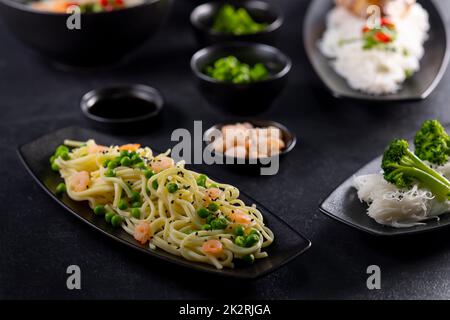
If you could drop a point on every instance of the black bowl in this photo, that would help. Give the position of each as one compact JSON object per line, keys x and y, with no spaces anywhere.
{"x":243,"y":99}
{"x":104,"y":37}
{"x":112,"y":107}
{"x":244,"y":165}
{"x":202,"y":19}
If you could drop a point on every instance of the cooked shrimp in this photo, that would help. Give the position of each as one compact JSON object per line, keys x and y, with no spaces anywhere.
{"x":80,"y":181}
{"x":235,"y":137}
{"x":96,"y":148}
{"x":218,"y":145}
{"x":237,"y":216}
{"x":236,"y":152}
{"x":130,"y":147}
{"x":162,"y":163}
{"x":212,"y":194}
{"x":142,"y":232}
{"x":212,"y":247}
{"x":275,"y":145}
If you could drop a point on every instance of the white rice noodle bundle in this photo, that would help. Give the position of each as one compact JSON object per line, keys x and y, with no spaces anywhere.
{"x":394,"y":207}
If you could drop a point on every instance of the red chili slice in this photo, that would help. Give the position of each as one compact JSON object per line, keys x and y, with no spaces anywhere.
{"x":382,"y":37}
{"x":385,"y":22}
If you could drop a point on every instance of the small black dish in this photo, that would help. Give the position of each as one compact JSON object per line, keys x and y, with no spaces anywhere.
{"x":288,"y":243}
{"x":432,"y":65}
{"x":244,"y":165}
{"x":119,"y":107}
{"x":104,"y":37}
{"x":202,"y":19}
{"x":243,"y":99}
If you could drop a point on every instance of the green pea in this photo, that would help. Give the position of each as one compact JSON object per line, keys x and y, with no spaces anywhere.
{"x":251,"y":240}
{"x":136,"y":204}
{"x":135,"y":196}
{"x":136,"y":213}
{"x":112,"y":164}
{"x":203,"y":213}
{"x":136,"y":159}
{"x":125,"y":161}
{"x":116,"y":221}
{"x":123,"y":153}
{"x":253,"y":231}
{"x":213,"y":207}
{"x":201,"y":180}
{"x":219,"y":223}
{"x":172,"y":187}
{"x":64,"y":155}
{"x":110,"y":173}
{"x":106,"y":163}
{"x":239,"y":241}
{"x":108,"y":216}
{"x":55,"y":167}
{"x":239,"y":230}
{"x":140,"y":165}
{"x":155,"y":184}
{"x":206,"y":227}
{"x":249,"y":258}
{"x":61,"y":188}
{"x":148,"y":174}
{"x":61,"y":149}
{"x":210,"y":218}
{"x":99,"y":210}
{"x":123,"y":205}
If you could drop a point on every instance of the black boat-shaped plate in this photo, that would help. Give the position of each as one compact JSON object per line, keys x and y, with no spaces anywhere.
{"x":432,"y":65}
{"x":343,"y":205}
{"x":288,"y":243}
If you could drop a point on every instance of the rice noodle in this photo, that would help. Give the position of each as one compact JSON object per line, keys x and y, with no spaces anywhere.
{"x":395,"y":207}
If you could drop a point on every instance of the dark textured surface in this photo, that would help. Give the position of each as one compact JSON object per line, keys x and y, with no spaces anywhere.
{"x":39,"y":239}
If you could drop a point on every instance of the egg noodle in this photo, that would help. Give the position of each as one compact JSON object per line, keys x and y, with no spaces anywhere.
{"x":162,"y":204}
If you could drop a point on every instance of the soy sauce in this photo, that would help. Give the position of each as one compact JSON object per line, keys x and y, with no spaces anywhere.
{"x":122,"y":107}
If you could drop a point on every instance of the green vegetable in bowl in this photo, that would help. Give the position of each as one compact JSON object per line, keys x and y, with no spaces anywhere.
{"x":403,"y":168}
{"x":230,"y":69}
{"x":236,"y":21}
{"x":432,"y":143}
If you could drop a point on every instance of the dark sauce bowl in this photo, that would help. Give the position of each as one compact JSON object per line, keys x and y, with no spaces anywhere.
{"x":130,"y":107}
{"x":202,"y":19}
{"x":104,"y":37}
{"x":247,"y":168}
{"x":242,"y":99}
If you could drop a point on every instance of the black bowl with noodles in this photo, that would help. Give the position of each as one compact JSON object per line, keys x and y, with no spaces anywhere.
{"x":246,"y":165}
{"x":103,"y":38}
{"x":242,"y":98}
{"x":202,"y":20}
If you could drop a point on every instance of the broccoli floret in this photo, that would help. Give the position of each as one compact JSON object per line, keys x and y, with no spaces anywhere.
{"x":432,"y":142}
{"x":403,"y":168}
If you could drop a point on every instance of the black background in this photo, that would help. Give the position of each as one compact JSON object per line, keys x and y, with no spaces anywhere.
{"x":39,"y":239}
